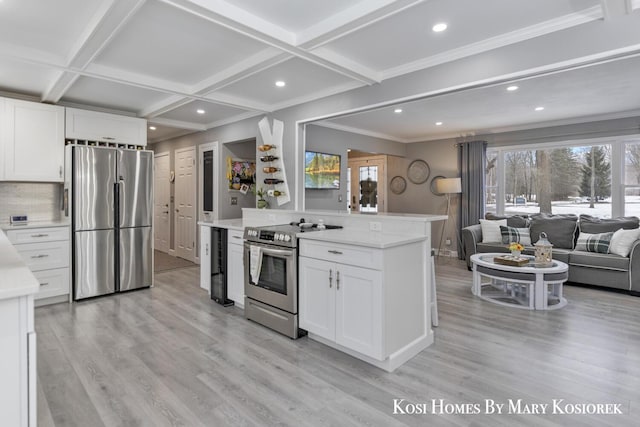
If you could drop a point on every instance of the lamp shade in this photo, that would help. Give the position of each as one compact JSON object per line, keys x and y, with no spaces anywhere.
{"x":449,"y":185}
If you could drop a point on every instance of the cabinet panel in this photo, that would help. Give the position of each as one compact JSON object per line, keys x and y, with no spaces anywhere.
{"x":96,"y":126}
{"x":33,"y":137}
{"x":33,"y":235}
{"x":235,"y":273}
{"x":344,"y":254}
{"x":317,"y":297}
{"x":44,"y":255}
{"x":52,"y":282}
{"x":359,"y":310}
{"x":205,"y":258}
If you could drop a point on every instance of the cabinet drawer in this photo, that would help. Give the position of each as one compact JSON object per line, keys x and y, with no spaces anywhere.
{"x":44,"y":255}
{"x":32,"y":235}
{"x":52,"y":282}
{"x":235,"y":237}
{"x":345,"y":254}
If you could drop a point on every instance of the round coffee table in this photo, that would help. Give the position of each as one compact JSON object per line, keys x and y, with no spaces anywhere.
{"x":527,"y":286}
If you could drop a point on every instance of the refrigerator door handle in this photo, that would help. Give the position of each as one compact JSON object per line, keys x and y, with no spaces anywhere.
{"x":119,"y":204}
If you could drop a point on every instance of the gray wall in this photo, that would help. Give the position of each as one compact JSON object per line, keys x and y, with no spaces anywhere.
{"x":333,"y":141}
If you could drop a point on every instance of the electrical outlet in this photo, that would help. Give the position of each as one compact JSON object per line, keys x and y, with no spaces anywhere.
{"x":447,"y":242}
{"x":375,"y":226}
{"x":234,"y":201}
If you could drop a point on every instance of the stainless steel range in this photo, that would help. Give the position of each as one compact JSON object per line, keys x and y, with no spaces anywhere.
{"x":271,"y":276}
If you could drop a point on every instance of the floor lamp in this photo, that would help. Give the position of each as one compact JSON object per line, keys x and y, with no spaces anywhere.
{"x":447,"y":186}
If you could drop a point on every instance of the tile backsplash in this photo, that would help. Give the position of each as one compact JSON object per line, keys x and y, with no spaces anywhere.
{"x":41,"y":201}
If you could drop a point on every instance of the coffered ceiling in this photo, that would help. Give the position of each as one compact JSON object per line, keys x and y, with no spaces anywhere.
{"x":166,"y":59}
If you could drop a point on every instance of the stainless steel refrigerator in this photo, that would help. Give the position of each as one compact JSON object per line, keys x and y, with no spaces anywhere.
{"x":112,"y":211}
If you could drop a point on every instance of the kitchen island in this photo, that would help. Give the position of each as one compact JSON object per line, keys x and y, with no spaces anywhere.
{"x":17,"y":338}
{"x":363,"y":289}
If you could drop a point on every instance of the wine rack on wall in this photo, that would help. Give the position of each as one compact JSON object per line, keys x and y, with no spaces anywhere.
{"x":273,"y":154}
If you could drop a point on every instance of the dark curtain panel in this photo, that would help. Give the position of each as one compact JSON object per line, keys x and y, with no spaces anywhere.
{"x":472,"y":160}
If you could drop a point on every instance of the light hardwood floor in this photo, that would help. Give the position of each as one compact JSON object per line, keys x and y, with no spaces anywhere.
{"x":168,"y":356}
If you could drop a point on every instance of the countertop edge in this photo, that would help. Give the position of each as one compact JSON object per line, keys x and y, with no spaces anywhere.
{"x":330,"y":236}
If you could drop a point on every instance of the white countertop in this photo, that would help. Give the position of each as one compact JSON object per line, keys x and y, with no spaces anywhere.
{"x":34,"y":224}
{"x":230,"y":224}
{"x":369,"y":239}
{"x":15,"y":278}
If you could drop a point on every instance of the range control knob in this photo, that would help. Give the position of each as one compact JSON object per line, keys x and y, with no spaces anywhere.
{"x":287,"y":238}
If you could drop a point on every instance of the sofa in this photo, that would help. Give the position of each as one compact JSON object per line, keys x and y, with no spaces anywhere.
{"x":599,"y":252}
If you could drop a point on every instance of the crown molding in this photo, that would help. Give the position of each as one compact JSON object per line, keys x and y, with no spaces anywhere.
{"x":359,"y":131}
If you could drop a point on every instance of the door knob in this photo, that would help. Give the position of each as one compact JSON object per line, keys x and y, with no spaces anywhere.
{"x":177,"y":210}
{"x":165,"y":212}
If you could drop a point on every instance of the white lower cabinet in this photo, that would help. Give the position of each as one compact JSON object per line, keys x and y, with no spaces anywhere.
{"x":47,"y":254}
{"x":342,"y":303}
{"x":235,"y":267}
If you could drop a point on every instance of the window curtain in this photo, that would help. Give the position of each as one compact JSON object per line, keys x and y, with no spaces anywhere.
{"x":472,"y":160}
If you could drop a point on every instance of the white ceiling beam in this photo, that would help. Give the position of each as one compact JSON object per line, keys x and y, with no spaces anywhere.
{"x":352,"y":19}
{"x":547,"y":27}
{"x":104,"y":25}
{"x":255,"y":63}
{"x":178,"y":124}
{"x":263,"y":60}
{"x":220,"y":13}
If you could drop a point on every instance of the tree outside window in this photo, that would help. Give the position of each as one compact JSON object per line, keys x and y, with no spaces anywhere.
{"x":557,"y":180}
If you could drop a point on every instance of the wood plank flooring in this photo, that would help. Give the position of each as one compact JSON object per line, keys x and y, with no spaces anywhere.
{"x":168,"y":356}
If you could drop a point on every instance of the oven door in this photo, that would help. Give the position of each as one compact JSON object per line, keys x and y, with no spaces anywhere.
{"x":278,"y":282}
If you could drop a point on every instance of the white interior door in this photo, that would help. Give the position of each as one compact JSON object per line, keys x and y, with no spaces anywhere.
{"x":162,"y":194}
{"x":185,"y":203}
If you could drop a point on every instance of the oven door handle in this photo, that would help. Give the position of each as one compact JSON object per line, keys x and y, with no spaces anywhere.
{"x":276,"y":252}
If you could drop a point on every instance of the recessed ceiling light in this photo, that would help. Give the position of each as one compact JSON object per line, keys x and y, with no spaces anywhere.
{"x":539,"y":108}
{"x":512,"y":88}
{"x":398,"y":110}
{"x":438,"y":123}
{"x":439,"y":27}
{"x":200,"y":111}
{"x":281,"y":83}
{"x":150,"y":127}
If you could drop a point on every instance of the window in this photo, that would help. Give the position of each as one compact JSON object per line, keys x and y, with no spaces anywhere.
{"x":631,"y":178}
{"x":554,"y":179}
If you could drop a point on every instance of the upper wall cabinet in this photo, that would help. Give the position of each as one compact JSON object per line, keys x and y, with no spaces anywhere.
{"x":32,"y":141}
{"x":96,"y":126}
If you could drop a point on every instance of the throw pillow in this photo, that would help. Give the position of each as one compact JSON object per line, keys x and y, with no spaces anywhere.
{"x":491,"y":230}
{"x":514,"y":234}
{"x":518,"y":221}
{"x":594,"y":242}
{"x":593,"y":225}
{"x":622,"y":240}
{"x":560,"y":229}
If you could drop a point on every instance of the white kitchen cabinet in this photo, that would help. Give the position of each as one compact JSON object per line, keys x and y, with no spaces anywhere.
{"x":205,"y":258}
{"x":17,"y":339}
{"x":97,"y":126}
{"x":46,"y":252}
{"x":235,"y":267}
{"x":368,"y":301}
{"x":17,"y":362}
{"x":32,"y":141}
{"x":342,"y":303}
